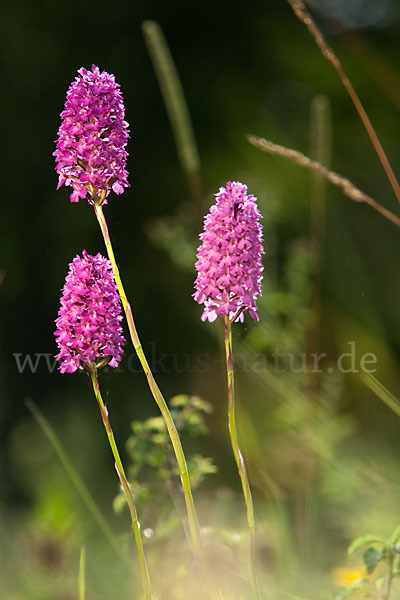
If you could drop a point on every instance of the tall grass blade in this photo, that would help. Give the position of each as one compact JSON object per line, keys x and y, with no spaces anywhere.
{"x":382,"y":392}
{"x":77,"y":481}
{"x":320,"y":150}
{"x":176,"y":105}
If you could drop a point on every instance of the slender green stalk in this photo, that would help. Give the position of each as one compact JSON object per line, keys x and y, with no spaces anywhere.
{"x":320,"y":151}
{"x":77,"y":481}
{"x":176,"y":105}
{"x":82,"y":569}
{"x":239,"y":457}
{"x":125,"y":485}
{"x":158,"y":397}
{"x":389,"y":579}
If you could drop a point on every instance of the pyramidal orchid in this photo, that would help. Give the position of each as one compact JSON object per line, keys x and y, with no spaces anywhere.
{"x":229,"y":268}
{"x":229,"y":275}
{"x":91,"y":158}
{"x":89,"y":336}
{"x":89,"y":320}
{"x":90,"y":154}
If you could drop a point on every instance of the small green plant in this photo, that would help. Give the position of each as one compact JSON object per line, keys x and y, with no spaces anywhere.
{"x":153,"y":472}
{"x":380,"y":567}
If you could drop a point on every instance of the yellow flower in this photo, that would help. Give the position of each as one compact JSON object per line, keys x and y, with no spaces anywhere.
{"x":350,"y":577}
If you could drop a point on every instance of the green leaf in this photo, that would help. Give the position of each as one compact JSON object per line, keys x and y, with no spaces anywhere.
{"x":179,"y":401}
{"x":119,"y":503}
{"x":154,"y":424}
{"x":364,"y":541}
{"x":371,"y":557}
{"x":201,"y":405}
{"x":396,"y":536}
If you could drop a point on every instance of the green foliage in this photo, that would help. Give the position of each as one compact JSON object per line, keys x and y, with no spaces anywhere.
{"x":362,"y":542}
{"x":371,"y":558}
{"x":320,"y":475}
{"x":376,"y":581}
{"x":176,"y":235}
{"x":153,"y":472}
{"x":395,"y":537}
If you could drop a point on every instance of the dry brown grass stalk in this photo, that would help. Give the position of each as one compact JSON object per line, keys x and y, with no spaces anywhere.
{"x":347,"y":187}
{"x":304,"y":16}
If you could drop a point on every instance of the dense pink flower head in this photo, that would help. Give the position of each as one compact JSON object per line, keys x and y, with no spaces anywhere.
{"x":229,"y":268}
{"x":89,"y":319}
{"x":90,"y":154}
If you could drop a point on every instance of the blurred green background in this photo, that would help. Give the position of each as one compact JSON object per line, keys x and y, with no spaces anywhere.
{"x":322,"y":450}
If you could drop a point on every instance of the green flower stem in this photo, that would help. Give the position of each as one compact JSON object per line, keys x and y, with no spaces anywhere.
{"x":239,"y":457}
{"x":124,"y":483}
{"x":82,"y":569}
{"x":158,"y":397}
{"x":389,"y":579}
